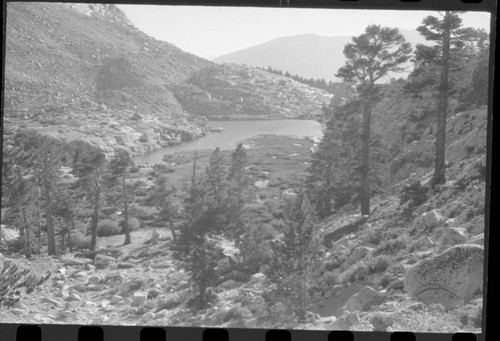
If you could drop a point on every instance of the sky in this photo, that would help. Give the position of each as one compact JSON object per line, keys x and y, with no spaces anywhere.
{"x":213,"y":31}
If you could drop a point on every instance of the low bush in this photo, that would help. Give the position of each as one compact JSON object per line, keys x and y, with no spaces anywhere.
{"x":392,"y":246}
{"x":134,"y":169}
{"x":357,"y":272}
{"x":380,"y":263}
{"x":79,"y":240}
{"x":107,"y":228}
{"x":133,"y":224}
{"x":386,"y":278}
{"x":162,"y":168}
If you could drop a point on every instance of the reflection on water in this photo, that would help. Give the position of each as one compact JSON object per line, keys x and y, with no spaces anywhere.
{"x":235,"y":132}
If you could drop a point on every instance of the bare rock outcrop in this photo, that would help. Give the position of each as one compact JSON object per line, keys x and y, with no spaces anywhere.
{"x":450,"y":278}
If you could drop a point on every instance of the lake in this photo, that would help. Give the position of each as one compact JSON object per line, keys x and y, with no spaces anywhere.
{"x":235,"y":132}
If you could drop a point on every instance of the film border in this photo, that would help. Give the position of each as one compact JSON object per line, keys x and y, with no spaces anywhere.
{"x":10,"y":332}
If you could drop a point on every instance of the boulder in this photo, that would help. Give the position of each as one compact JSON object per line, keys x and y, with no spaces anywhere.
{"x":258,"y":278}
{"x":8,"y":234}
{"x":115,"y":279}
{"x":130,"y":286}
{"x":450,"y":278}
{"x":228,"y":285}
{"x":75,"y":261}
{"x":115,"y":299}
{"x":139,"y":298}
{"x":103,"y":261}
{"x":431,"y":219}
{"x":50,"y":301}
{"x":454,"y":236}
{"x":424,"y":243}
{"x":172,"y":300}
{"x":74,"y":297}
{"x":479,"y":239}
{"x":364,"y":299}
{"x":344,"y":322}
{"x":94,"y":280}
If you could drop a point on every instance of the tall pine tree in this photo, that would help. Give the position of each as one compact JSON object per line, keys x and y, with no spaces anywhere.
{"x":370,"y":57}
{"x":450,"y":41}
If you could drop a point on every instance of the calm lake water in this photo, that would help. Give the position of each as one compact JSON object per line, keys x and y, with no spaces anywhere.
{"x":235,"y":132}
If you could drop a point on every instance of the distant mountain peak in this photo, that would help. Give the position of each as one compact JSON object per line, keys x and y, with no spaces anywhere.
{"x":307,"y":55}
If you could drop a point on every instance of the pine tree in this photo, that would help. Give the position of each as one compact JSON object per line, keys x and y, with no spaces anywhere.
{"x":193,"y":247}
{"x":42,"y":158}
{"x":64,"y":207}
{"x":216,"y":189}
{"x":90,"y":169}
{"x":333,"y":175}
{"x":118,"y":168}
{"x":292,"y":256}
{"x":449,"y":38}
{"x":370,"y":57}
{"x":237,"y":192}
{"x":165,"y":197}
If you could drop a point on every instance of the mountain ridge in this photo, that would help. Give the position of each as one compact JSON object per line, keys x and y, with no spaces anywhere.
{"x":308,"y":55}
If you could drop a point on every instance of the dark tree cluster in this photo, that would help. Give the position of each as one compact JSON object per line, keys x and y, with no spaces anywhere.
{"x":336,"y":88}
{"x":43,"y":205}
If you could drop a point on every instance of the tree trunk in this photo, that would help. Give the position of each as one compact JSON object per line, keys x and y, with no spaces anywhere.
{"x":126,"y":227}
{"x":172,"y":229}
{"x":301,"y":309}
{"x":39,"y":230}
{"x":95,"y":218}
{"x":72,"y":220}
{"x":51,"y":239}
{"x":365,"y":162}
{"x":442,"y":109}
{"x":25,"y":232}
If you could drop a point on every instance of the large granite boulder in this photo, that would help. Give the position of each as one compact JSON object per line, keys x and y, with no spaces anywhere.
{"x":364,"y":299}
{"x":450,"y":278}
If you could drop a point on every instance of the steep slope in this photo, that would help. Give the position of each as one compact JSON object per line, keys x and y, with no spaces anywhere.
{"x":308,"y":55}
{"x":82,"y":71}
{"x":232,"y":91}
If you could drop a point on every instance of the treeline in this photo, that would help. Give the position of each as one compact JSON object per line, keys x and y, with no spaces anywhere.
{"x":46,"y":204}
{"x":339,"y":89}
{"x":350,"y":162}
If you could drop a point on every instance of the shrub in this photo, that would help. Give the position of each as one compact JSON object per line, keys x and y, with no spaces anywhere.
{"x":107,"y":228}
{"x":162,"y":168}
{"x":332,"y":278}
{"x":356,"y":273}
{"x":17,"y":245}
{"x":133,"y":223}
{"x":79,"y":240}
{"x":373,"y":237}
{"x":380,"y":263}
{"x":392,"y":246}
{"x":13,"y":279}
{"x":386,"y":278}
{"x":134,"y":169}
{"x":254,"y":247}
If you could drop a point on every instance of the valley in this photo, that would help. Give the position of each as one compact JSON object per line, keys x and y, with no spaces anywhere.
{"x":143,"y":185}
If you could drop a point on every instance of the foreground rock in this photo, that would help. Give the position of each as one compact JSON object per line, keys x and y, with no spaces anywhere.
{"x":450,"y":278}
{"x":364,"y":299}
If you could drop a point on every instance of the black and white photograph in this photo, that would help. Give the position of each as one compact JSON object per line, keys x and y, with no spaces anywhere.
{"x":245,"y":167}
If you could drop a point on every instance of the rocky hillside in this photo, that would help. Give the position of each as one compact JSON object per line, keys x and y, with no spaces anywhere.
{"x":239,"y":92}
{"x":84,"y":72}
